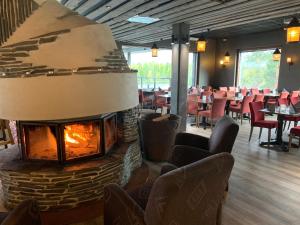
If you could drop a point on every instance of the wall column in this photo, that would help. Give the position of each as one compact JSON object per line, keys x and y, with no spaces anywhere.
{"x":180,"y":63}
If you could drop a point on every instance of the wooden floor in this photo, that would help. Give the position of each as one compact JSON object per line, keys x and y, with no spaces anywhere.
{"x":264,"y":185}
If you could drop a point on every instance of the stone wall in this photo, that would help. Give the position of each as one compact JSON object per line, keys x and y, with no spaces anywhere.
{"x":61,"y":187}
{"x":127,"y":125}
{"x":68,"y":187}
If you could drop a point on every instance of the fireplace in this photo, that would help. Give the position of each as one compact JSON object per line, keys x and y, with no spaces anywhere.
{"x":68,"y":140}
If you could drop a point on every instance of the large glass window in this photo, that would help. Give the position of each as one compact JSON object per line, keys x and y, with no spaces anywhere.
{"x":155,"y":72}
{"x":257,"y":69}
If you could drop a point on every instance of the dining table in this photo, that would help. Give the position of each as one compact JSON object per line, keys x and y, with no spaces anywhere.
{"x":270,"y":96}
{"x":229,"y":100}
{"x":281,"y":113}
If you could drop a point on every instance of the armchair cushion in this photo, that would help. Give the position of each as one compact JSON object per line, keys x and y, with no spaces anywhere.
{"x":192,"y":140}
{"x":223,"y":136}
{"x":184,"y":155}
{"x":120,"y":208}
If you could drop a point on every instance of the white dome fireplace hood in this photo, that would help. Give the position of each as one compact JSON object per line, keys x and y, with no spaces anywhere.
{"x":60,"y":65}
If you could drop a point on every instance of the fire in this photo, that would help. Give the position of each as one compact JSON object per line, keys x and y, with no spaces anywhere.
{"x":81,"y":139}
{"x":71,"y":140}
{"x":77,"y":134}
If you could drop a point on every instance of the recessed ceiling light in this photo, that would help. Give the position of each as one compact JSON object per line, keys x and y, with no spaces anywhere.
{"x":143,"y":19}
{"x":108,"y":7}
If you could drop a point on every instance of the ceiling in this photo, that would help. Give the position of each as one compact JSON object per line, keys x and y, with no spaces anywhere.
{"x":223,"y":18}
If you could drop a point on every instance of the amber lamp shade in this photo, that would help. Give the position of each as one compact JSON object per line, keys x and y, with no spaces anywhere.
{"x":289,"y":60}
{"x":293,"y":31}
{"x":154,"y":50}
{"x":227,"y":58}
{"x":222,"y":62}
{"x":201,"y":45}
{"x":276,"y":54}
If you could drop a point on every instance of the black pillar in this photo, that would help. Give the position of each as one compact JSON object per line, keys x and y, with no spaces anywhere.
{"x":180,"y":64}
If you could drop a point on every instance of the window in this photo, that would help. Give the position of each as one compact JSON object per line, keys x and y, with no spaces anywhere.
{"x":155,"y":72}
{"x":257,"y":69}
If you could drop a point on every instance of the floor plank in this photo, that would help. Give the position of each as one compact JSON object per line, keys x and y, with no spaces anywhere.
{"x":264,"y":185}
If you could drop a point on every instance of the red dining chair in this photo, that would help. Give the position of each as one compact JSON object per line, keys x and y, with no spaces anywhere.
{"x":295,"y":94}
{"x":254,"y":91}
{"x":284,"y":94}
{"x":294,"y":100}
{"x":230,"y":94}
{"x":192,"y":106}
{"x":219,"y":94}
{"x":244,"y":91}
{"x":160,"y":102}
{"x":223,"y":89}
{"x":259,"y":98}
{"x":258,"y":120}
{"x":283,"y":101}
{"x":266,"y":91}
{"x":193,"y":91}
{"x":295,"y":132}
{"x":232,"y":89}
{"x":206,"y":93}
{"x":242,"y":108}
{"x":143,"y":100}
{"x":216,"y":112}
{"x":295,"y":119}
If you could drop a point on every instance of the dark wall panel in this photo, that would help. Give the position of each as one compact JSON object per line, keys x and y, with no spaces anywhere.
{"x":289,"y":77}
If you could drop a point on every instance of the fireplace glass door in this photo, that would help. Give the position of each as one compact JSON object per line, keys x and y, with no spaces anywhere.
{"x":81,"y":140}
{"x":41,"y":142}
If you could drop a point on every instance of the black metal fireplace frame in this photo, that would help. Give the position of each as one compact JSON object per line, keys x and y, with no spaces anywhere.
{"x":59,"y":135}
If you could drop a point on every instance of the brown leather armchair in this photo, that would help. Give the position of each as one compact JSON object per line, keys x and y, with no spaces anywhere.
{"x":190,"y":148}
{"x":27,"y":213}
{"x":187,"y":195}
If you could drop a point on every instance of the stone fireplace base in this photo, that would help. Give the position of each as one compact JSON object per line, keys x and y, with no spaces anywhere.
{"x":63,"y":187}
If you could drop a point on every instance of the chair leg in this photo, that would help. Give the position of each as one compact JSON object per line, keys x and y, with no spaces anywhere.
{"x":251,"y":131}
{"x":269,"y":137}
{"x":241,"y":118}
{"x":290,"y":141}
{"x":289,"y":125}
{"x":249,"y":117}
{"x":260,"y":131}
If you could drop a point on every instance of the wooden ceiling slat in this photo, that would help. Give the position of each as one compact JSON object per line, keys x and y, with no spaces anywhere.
{"x":181,"y":14}
{"x":136,"y":11}
{"x":228,"y":24}
{"x":73,"y":4}
{"x":164,"y":14}
{"x":91,"y":4}
{"x":200,"y":14}
{"x":213,"y":17}
{"x":114,"y":4}
{"x":129,"y":5}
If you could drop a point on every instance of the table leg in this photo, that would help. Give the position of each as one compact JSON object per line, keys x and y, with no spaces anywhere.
{"x":227,"y":108}
{"x":278,"y":142}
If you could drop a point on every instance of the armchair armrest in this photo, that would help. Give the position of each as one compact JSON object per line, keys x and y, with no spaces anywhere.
{"x":192,"y":140}
{"x":27,"y":213}
{"x":167,"y":168}
{"x":120,"y":208}
{"x":184,"y":155}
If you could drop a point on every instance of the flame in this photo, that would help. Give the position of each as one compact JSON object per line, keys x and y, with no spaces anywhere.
{"x":69,"y":139}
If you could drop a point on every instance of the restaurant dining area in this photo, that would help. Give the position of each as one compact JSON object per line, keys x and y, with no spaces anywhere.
{"x":149,"y":112}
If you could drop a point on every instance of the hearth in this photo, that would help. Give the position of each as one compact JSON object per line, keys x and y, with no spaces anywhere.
{"x":68,"y":140}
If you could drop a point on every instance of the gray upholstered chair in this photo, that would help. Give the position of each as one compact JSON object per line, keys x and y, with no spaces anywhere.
{"x":190,"y":148}
{"x":188,"y":195}
{"x":27,"y":213}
